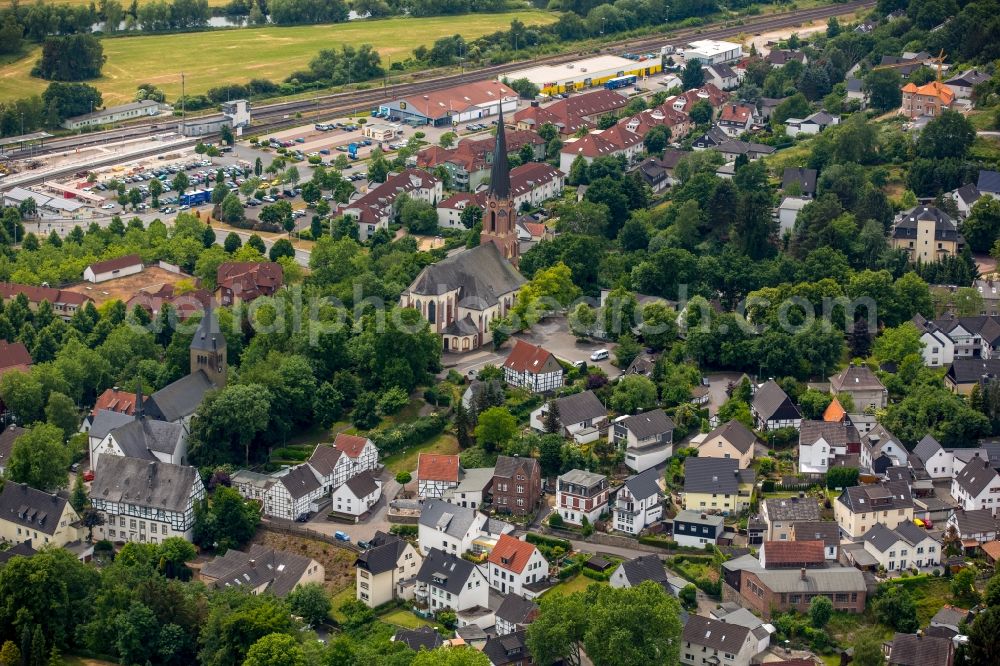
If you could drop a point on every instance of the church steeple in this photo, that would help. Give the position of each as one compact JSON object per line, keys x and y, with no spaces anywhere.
{"x":208,"y":348}
{"x":500,"y":216}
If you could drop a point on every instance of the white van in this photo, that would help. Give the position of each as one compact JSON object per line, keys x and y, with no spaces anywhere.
{"x":600,"y":355}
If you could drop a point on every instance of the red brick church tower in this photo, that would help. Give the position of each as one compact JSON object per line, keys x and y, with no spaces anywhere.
{"x":500,"y":215}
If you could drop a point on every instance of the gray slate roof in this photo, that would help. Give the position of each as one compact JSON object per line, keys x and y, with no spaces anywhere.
{"x":453,"y":569}
{"x":805,"y":178}
{"x":855,"y":378}
{"x":516,"y":609}
{"x":890,"y":495}
{"x":509,"y":649}
{"x":280,"y":570}
{"x":829,"y":579}
{"x":580,"y":407}
{"x":969,"y":370}
{"x":25,"y":506}
{"x":927,"y":447}
{"x":649,"y":424}
{"x":643,"y":484}
{"x":736,"y":434}
{"x":913,"y":650}
{"x":362,"y":485}
{"x":975,"y":521}
{"x":643,"y":568}
{"x":324,"y":459}
{"x":950,"y":616}
{"x":711,"y":475}
{"x":715,"y":634}
{"x":382,"y":554}
{"x":106,"y":421}
{"x":481,"y":274}
{"x":22,"y":549}
{"x":507,"y":465}
{"x":989,"y":181}
{"x":976,"y":476}
{"x":836,"y":433}
{"x":792,"y":508}
{"x":881,"y":537}
{"x":426,"y":638}
{"x":699,"y":518}
{"x":815,"y":530}
{"x":300,"y":481}
{"x":139,"y":438}
{"x":208,"y":337}
{"x":181,"y":398}
{"x":153,"y":484}
{"x":453,"y":519}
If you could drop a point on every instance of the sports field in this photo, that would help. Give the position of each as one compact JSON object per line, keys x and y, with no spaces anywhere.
{"x":211,"y":58}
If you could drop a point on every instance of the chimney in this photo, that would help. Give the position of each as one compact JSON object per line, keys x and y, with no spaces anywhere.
{"x":704,"y":516}
{"x":802,"y":494}
{"x":920,"y":634}
{"x":253,"y":564}
{"x":802,"y":573}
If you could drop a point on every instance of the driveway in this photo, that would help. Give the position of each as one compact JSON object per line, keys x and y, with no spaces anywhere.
{"x":718,"y":382}
{"x":365,"y":530}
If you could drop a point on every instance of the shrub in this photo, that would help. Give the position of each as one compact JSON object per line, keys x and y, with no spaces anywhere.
{"x":404,"y":530}
{"x":552,"y":542}
{"x":556,"y":520}
{"x":402,"y":436}
{"x":598,"y":575}
{"x":392,"y":401}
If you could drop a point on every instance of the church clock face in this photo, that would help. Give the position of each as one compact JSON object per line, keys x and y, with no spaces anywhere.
{"x":493,"y":204}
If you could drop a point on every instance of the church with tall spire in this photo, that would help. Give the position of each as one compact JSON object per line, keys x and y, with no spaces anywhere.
{"x":461,"y":295}
{"x":500,"y":213}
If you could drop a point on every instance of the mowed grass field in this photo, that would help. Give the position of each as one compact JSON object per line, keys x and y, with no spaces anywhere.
{"x":212,"y":58}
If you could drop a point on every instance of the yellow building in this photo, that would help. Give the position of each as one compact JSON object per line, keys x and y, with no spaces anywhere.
{"x":731,"y":440}
{"x":45,"y":518}
{"x":859,"y":508}
{"x":717,"y":485}
{"x":586,"y":73}
{"x":927,"y":234}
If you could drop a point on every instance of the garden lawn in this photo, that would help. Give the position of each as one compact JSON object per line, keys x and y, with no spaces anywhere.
{"x":577,"y":583}
{"x":347,"y":594}
{"x":214,"y":57}
{"x":406,"y":461}
{"x":405,"y":619}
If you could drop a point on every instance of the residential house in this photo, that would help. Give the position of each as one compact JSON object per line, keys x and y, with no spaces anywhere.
{"x":534,"y":183}
{"x":964,"y":84}
{"x":772,"y":408}
{"x":927,"y":234}
{"x":792,"y":554}
{"x":989,"y":289}
{"x":357,"y":496}
{"x":950,"y":618}
{"x":514,"y":614}
{"x":708,"y":642}
{"x":581,"y":495}
{"x":45,"y":518}
{"x":781,"y":514}
{"x":769,"y":591}
{"x":767,"y":105}
{"x":102,"y":271}
{"x":143,"y":438}
{"x":716,"y":485}
{"x":825,"y":531}
{"x":377,"y":208}
{"x":185,"y":305}
{"x":920,"y":650}
{"x":115,"y":400}
{"x":729,"y":440}
{"x":571,"y":114}
{"x":930,"y":99}
{"x":241,"y":282}
{"x":64,"y":303}
{"x":436,"y":474}
{"x":736,"y":119}
{"x":581,"y":416}
{"x":731,"y":613}
{"x":446,"y":581}
{"x":472,"y":489}
{"x":722,"y":76}
{"x":713,"y":138}
{"x":903,"y":547}
{"x":862,"y":385}
{"x":978,"y":526}
{"x":20,"y":549}
{"x":14,"y":356}
{"x":964,"y":198}
{"x":695,"y":529}
{"x":788,"y":213}
{"x":7,"y":439}
{"x":616,"y":140}
{"x":647,"y":438}
{"x":965,"y":373}
{"x":288,"y":494}
{"x":988,"y":183}
{"x":330,"y":466}
{"x":938,"y":462}
{"x":858,"y":508}
{"x":733,"y":149}
{"x":664,"y":115}
{"x":449,"y":210}
{"x":469,"y":164}
{"x":812,"y":124}
{"x":780,"y":57}
{"x":938,"y":348}
{"x":531,"y":367}
{"x":145,"y":501}
{"x":449,"y":527}
{"x":513,"y":565}
{"x":856,"y":91}
{"x":509,"y":650}
{"x":382,"y":569}
{"x":799,"y":181}
{"x":421,"y":638}
{"x":517,"y":485}
{"x":977,"y":486}
{"x":638,"y":502}
{"x":823,"y":443}
{"x":880,"y":450}
{"x":658,"y":172}
{"x":972,"y":337}
{"x":262,"y":570}
{"x":638,"y":570}
{"x":361,"y":453}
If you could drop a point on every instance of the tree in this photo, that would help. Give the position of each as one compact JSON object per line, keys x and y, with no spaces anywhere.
{"x":894,"y":607}
{"x":963,"y":587}
{"x":558,"y":631}
{"x":74,"y":57}
{"x":632,"y":394}
{"x":841,"y":477}
{"x":693,"y":75}
{"x":463,"y":423}
{"x":228,"y":422}
{"x":257,"y":243}
{"x":632,"y":626}
{"x":40,"y":458}
{"x":281,"y":248}
{"x":496,"y":427}
{"x":275,"y":650}
{"x":447,"y":139}
{"x":820,"y":611}
{"x":882,"y":86}
{"x":656,"y":139}
{"x":582,"y":320}
{"x":895,"y":344}
{"x":232,"y":242}
{"x":471,"y":216}
{"x":451,"y":656}
{"x":226,"y":521}
{"x":61,"y":412}
{"x":701,"y":112}
{"x":180,"y":182}
{"x":10,"y":655}
{"x":949,"y":135}
{"x":626,"y":351}
{"x":311,"y":603}
{"x":659,"y":325}
{"x":984,"y":638}
{"x":525,"y":88}
{"x":403,"y":478}
{"x":551,"y":420}
{"x":365,"y":415}
{"x":79,"y":497}
{"x":868,"y":651}
{"x":173,"y":555}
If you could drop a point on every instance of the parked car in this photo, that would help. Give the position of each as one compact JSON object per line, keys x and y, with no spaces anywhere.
{"x":88,"y":475}
{"x":341,"y":536}
{"x":600,"y":355}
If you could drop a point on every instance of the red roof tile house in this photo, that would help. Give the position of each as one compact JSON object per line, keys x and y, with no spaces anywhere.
{"x":514,"y":564}
{"x":64,"y":303}
{"x":616,"y":140}
{"x":469,"y":163}
{"x":14,"y":356}
{"x":436,"y":474}
{"x":103,"y":271}
{"x":792,"y":554}
{"x":571,"y":114}
{"x":376,"y":209}
{"x":247,"y":280}
{"x":360,"y":451}
{"x":535,"y":182}
{"x":184,"y":304}
{"x":533,"y":368}
{"x":687,"y":99}
{"x":678,"y":122}
{"x":735,"y":119}
{"x":930,"y":99}
{"x":115,"y":400}
{"x":450,"y":210}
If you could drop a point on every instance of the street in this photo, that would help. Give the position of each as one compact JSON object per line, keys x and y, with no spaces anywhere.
{"x":363,"y":531}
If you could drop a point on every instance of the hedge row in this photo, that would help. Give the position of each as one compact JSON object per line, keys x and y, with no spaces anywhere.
{"x":599,"y":575}
{"x":552,"y":542}
{"x":402,"y":436}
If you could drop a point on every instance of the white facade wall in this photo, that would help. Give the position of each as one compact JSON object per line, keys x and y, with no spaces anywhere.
{"x":344,"y":501}
{"x":90,"y":276}
{"x":504,"y":580}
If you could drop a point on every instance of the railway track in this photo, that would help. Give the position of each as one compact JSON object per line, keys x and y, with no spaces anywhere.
{"x":278,"y":115}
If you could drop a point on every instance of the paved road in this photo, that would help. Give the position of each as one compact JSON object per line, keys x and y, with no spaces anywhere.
{"x":367,"y":529}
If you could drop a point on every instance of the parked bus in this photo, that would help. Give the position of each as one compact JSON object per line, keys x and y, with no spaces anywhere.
{"x":621,"y":82}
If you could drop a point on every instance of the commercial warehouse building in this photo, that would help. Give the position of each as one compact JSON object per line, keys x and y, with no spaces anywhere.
{"x":713,"y":52}
{"x":580,"y":74}
{"x":468,"y":102}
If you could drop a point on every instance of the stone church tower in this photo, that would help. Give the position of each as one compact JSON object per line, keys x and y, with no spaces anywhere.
{"x":500,"y":214}
{"x":208,"y":349}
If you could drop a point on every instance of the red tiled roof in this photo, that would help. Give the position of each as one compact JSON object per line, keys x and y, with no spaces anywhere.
{"x":438,"y":103}
{"x":115,"y":264}
{"x":471,"y":154}
{"x":511,"y":553}
{"x":528,"y":176}
{"x":793,"y":552}
{"x":834,"y":411}
{"x":186,"y":304}
{"x":736,"y":113}
{"x":536,"y":229}
{"x":569,"y":115}
{"x":249,"y":279}
{"x":115,"y":400}
{"x":377,"y":203}
{"x":351,"y":445}
{"x":460,"y":200}
{"x":35,"y":294}
{"x":932,"y":89}
{"x":526,"y":356}
{"x":434,"y":467}
{"x":13,"y":354}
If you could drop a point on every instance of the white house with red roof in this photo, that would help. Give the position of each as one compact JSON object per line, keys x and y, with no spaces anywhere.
{"x":678,"y":122}
{"x":102,"y":271}
{"x":736,"y":119}
{"x":513,"y":564}
{"x":376,"y":209}
{"x":535,"y":182}
{"x":616,"y":140}
{"x":531,"y":367}
{"x":450,"y":210}
{"x":360,"y":451}
{"x":436,"y":474}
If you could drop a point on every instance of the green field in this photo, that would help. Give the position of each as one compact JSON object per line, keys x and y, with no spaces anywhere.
{"x":235,"y":56}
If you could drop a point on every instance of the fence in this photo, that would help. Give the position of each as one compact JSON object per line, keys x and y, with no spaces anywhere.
{"x":296,"y":530}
